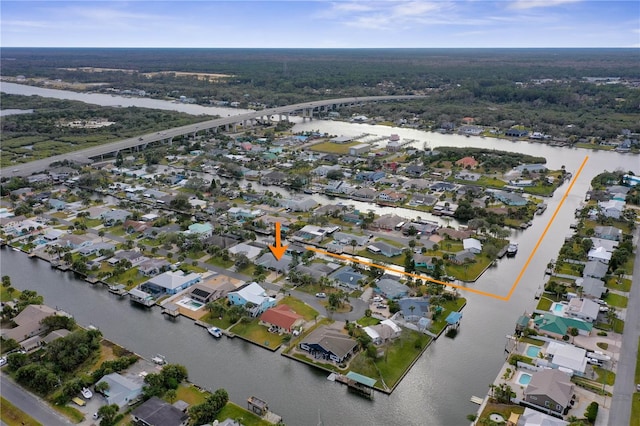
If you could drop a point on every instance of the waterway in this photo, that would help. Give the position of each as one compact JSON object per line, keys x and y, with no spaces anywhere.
{"x":438,"y":388}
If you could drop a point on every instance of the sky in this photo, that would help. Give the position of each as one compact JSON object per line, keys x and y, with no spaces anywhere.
{"x":321,"y":23}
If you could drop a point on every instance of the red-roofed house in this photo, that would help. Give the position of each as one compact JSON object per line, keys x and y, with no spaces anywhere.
{"x":282,"y":317}
{"x":468,"y":120}
{"x":467,"y":162}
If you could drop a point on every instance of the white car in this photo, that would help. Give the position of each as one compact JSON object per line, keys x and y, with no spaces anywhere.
{"x":3,"y":361}
{"x":321,"y":295}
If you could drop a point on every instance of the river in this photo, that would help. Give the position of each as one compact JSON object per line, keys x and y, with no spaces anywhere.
{"x":438,"y":387}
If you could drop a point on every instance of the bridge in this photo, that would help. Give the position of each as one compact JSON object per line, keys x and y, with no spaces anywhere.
{"x":229,"y":123}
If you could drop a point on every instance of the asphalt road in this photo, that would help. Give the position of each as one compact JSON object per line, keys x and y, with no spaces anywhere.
{"x":30,"y":404}
{"x":620,"y":411}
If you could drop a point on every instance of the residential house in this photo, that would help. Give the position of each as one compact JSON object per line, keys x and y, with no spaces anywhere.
{"x":599,"y":254}
{"x":202,"y":230}
{"x":467,"y":163}
{"x":152,"y":267}
{"x":75,"y":241}
{"x":347,"y":277}
{"x":388,"y":222}
{"x":156,"y":412}
{"x":55,"y":335}
{"x":550,"y":390}
{"x":385,"y":331}
{"x":442,"y":186}
{"x":385,"y":249}
{"x":251,"y":252}
{"x":122,"y":390}
{"x":133,"y":226}
{"x":416,"y":184}
{"x":28,"y":323}
{"x":593,"y":288}
{"x":269,"y":261}
{"x":170,"y":282}
{"x":414,"y":308}
{"x":608,"y":245}
{"x":323,"y":170}
{"x":414,"y":171}
{"x":238,"y":213}
{"x":391,"y":289}
{"x":608,"y":233}
{"x":532,"y":417}
{"x":56,"y":204}
{"x":274,"y":178}
{"x":114,"y":216}
{"x":534,"y":168}
{"x":473,"y":245}
{"x":473,"y":177}
{"x":424,"y":262}
{"x":329,"y":344}
{"x":96,"y":248}
{"x":595,"y":269}
{"x":367,"y":194}
{"x":359,"y":149}
{"x":612,"y":208}
{"x":516,"y":133}
{"x":558,"y":327}
{"x":462,"y":256}
{"x":423,"y":200}
{"x":254,"y":294}
{"x":509,"y":198}
{"x":582,"y":309}
{"x":391,"y":196}
{"x":299,"y":205}
{"x":345,"y":239}
{"x":134,"y":257}
{"x":282,"y":317}
{"x":330,"y":209}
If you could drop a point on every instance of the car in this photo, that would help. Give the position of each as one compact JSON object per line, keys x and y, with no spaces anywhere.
{"x":378,"y":299}
{"x":381,"y":306}
{"x":638,"y":387}
{"x":3,"y":361}
{"x":95,"y":416}
{"x":321,"y":295}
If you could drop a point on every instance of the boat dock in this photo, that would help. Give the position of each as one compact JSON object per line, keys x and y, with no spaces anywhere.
{"x":260,"y":408}
{"x":357,"y":383}
{"x":476,"y":400}
{"x":119,"y":290}
{"x":171,"y":309}
{"x":227,"y":333}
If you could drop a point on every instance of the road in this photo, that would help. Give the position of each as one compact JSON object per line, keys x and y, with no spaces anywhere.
{"x":30,"y":404}
{"x":36,"y":166}
{"x":620,"y":411}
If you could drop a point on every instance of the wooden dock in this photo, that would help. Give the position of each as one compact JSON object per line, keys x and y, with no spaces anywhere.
{"x":227,"y":333}
{"x":476,"y":400}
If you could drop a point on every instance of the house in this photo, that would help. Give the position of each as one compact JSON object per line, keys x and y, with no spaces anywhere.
{"x":593,"y":287}
{"x":323,"y":170}
{"x":122,"y":390}
{"x":388,"y":222}
{"x":74,"y":241}
{"x":269,"y":261}
{"x":391,"y":196}
{"x":326,"y":343}
{"x":608,"y":233}
{"x":134,"y":257}
{"x":515,"y":133}
{"x":151,"y":267}
{"x":56,"y":204}
{"x":532,"y":417}
{"x":558,"y":327}
{"x":28,"y":323}
{"x":612,"y":208}
{"x":509,"y":198}
{"x":533,"y":168}
{"x":274,"y":178}
{"x":282,"y":317}
{"x":202,"y":230}
{"x":55,"y":335}
{"x":550,"y":390}
{"x":347,"y":277}
{"x":251,"y":252}
{"x":156,"y":412}
{"x":253,"y":294}
{"x":239,"y":213}
{"x":345,"y":239}
{"x":582,"y":309}
{"x":608,"y":245}
{"x":599,"y":254}
{"x":365,"y":194}
{"x":96,"y":248}
{"x":359,"y":149}
{"x":170,"y":282}
{"x":111,"y":217}
{"x":566,"y":356}
{"x":462,"y":257}
{"x":391,"y":289}
{"x":300,"y":205}
{"x":383,"y":332}
{"x":380,"y":247}
{"x":595,"y":269}
{"x":133,"y":226}
{"x":414,"y":171}
{"x":414,"y":308}
{"x":467,"y":163}
{"x":424,"y":262}
{"x":416,"y":184}
{"x":473,"y":245}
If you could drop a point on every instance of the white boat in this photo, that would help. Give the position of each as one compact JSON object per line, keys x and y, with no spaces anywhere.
{"x":159,"y":359}
{"x":215,"y":331}
{"x":86,"y":393}
{"x":512,"y":249}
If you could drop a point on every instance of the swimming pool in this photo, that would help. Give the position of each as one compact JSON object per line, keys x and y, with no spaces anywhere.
{"x":532,"y":351}
{"x":524,"y":379}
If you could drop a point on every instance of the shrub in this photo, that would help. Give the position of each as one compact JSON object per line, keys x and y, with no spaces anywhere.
{"x":602,"y":333}
{"x":592,"y":412}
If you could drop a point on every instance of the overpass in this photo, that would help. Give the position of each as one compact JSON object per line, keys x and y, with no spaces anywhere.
{"x":227,"y":123}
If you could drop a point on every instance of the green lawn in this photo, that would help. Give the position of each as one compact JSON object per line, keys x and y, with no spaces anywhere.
{"x":13,"y":416}
{"x":190,"y":394}
{"x":470,"y":271}
{"x":301,"y":308}
{"x":502,"y":409}
{"x":5,"y":295}
{"x":532,"y":341}
{"x":450,"y":305}
{"x":235,"y":412}
{"x":131,"y":274}
{"x":605,"y":376}
{"x":616,"y":300}
{"x":623,"y":285}
{"x":217,"y":261}
{"x":115,"y":230}
{"x":223,"y":323}
{"x":257,"y":333}
{"x":635,"y":409}
{"x":333,"y":148}
{"x":368,"y":321}
{"x":397,"y":359}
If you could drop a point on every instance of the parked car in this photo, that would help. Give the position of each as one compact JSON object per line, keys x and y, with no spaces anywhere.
{"x":378,"y":299}
{"x":3,"y":361}
{"x":321,"y":295}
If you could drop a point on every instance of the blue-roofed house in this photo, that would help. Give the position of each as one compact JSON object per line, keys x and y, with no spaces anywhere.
{"x":170,"y":282}
{"x":347,"y":277}
{"x":414,"y":308}
{"x":391,"y":289}
{"x":202,"y":230}
{"x":122,"y":390}
{"x":254,"y":294}
{"x":57,"y":204}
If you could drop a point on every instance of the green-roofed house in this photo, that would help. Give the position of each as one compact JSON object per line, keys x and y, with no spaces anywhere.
{"x":522,"y":324}
{"x":555,"y":326}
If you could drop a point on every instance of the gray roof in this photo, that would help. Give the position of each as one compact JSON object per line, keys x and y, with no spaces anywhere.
{"x":156,"y":412}
{"x":595,"y":269}
{"x":392,"y":288}
{"x":552,"y":383}
{"x":593,"y":287}
{"x":337,"y":343}
{"x":120,"y":388}
{"x":347,"y":275}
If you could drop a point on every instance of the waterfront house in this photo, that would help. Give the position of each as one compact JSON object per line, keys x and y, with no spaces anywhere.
{"x":152,"y":267}
{"x":414,"y":308}
{"x":391,"y":196}
{"x":96,"y":249}
{"x":380,"y":247}
{"x":202,"y":230}
{"x":122,"y":390}
{"x":442,"y":186}
{"x":516,"y":133}
{"x":462,"y":256}
{"x":391,"y":289}
{"x":156,"y":412}
{"x":299,"y":205}
{"x":326,"y":343}
{"x":252,"y":293}
{"x":282,"y":318}
{"x":532,"y":417}
{"x":170,"y":282}
{"x":416,"y":184}
{"x":28,"y":323}
{"x":135,"y":257}
{"x":274,"y":178}
{"x":238,"y":213}
{"x":557,"y":327}
{"x":550,"y":390}
{"x":367,"y":194}
{"x":509,"y":198}
{"x":388,"y":222}
{"x":582,"y":309}
{"x":473,"y":245}
{"x":75,"y":241}
{"x":608,"y":233}
{"x":534,"y":168}
{"x":381,"y":333}
{"x":345,"y":239}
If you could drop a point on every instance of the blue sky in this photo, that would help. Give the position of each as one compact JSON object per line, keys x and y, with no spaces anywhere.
{"x":321,"y":24}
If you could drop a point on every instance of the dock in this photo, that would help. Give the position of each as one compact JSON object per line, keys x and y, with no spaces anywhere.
{"x":227,"y":333}
{"x":171,"y":309}
{"x":260,"y":408}
{"x":476,"y":400}
{"x":92,"y":280}
{"x":119,"y":290}
{"x":356,"y":383}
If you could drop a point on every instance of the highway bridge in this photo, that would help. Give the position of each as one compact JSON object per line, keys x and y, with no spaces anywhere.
{"x":306,"y":109}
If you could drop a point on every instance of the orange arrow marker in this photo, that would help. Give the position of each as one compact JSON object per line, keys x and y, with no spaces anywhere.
{"x":278,"y":249}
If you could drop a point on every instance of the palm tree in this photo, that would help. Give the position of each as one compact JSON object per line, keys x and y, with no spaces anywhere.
{"x":353,"y":244}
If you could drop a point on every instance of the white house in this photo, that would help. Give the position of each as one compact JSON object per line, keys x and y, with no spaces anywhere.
{"x":584,"y":309}
{"x":254,"y":294}
{"x":611,"y":208}
{"x":600,"y":254}
{"x":473,"y":245}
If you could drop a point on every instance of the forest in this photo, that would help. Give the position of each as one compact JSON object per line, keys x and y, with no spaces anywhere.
{"x":541,"y":89}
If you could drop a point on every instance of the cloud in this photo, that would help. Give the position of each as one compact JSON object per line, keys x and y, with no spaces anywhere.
{"x":531,"y":4}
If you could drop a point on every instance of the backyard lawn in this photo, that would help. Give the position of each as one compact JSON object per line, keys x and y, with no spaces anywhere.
{"x":235,"y":412}
{"x":217,"y":261}
{"x":190,"y":394}
{"x":398,"y":357}
{"x":301,"y":308}
{"x":502,"y":409}
{"x":448,"y":306}
{"x":257,"y":333}
{"x":616,"y":300}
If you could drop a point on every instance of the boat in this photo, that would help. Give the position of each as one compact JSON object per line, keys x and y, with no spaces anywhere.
{"x":159,"y":359}
{"x":215,"y":331}
{"x":512,"y":249}
{"x":86,"y":393}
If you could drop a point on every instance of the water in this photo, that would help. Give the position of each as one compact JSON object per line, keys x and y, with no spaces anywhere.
{"x":533,"y":351}
{"x":438,"y":387}
{"x":524,"y":379}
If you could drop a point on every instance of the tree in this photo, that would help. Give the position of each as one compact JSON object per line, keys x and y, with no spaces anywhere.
{"x":6,"y":281}
{"x":171,"y":395}
{"x":216,"y":309}
{"x":353,"y":243}
{"x":101,"y":387}
{"x":108,"y":414}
